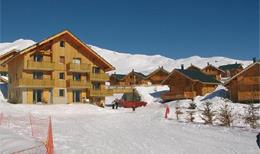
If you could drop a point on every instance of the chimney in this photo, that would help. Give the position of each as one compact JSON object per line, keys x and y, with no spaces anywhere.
{"x":208,"y":63}
{"x":254,"y":59}
{"x":182,"y":67}
{"x":133,"y":70}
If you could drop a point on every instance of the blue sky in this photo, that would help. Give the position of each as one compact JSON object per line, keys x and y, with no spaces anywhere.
{"x":173,"y":28}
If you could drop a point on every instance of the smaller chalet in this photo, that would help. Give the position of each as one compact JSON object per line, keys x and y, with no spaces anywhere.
{"x":244,"y":87}
{"x":213,"y":71}
{"x":117,"y":79}
{"x":157,"y":76}
{"x":135,"y":78}
{"x":186,"y":84}
{"x":230,"y":70}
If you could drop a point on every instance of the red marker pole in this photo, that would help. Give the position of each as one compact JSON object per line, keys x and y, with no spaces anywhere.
{"x":167,"y":111}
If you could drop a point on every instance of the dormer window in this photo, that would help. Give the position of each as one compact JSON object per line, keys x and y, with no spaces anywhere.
{"x":37,"y":57}
{"x":62,"y":44}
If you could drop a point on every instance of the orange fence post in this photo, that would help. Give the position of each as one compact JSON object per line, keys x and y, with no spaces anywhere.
{"x":1,"y":117}
{"x":49,"y":145}
{"x":167,"y":111}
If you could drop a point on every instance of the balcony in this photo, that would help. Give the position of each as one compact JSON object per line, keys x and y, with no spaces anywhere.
{"x":35,"y":83}
{"x":81,"y":68}
{"x":78,"y":84}
{"x":43,"y":65}
{"x":101,"y":93}
{"x":175,"y":96}
{"x":99,"y":77}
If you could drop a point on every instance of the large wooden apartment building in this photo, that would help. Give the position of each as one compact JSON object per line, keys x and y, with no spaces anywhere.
{"x":59,"y":69}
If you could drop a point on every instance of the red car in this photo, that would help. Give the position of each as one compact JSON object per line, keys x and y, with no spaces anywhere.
{"x":130,"y":104}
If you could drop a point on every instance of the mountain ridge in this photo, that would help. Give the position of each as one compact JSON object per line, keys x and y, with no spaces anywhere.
{"x":139,"y":62}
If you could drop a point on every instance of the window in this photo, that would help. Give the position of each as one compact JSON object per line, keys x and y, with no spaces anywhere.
{"x":62,"y":44}
{"x":76,"y":60}
{"x":62,"y":59}
{"x":37,"y":57}
{"x":61,"y":92}
{"x":37,"y":75}
{"x":3,"y":73}
{"x":62,"y":75}
{"x":96,"y":70}
{"x":76,"y":76}
{"x":95,"y":85}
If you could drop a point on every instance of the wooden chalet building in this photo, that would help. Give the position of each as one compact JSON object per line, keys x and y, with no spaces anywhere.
{"x":4,"y":58}
{"x":117,"y":79}
{"x":230,"y":70}
{"x":245,"y":86}
{"x":134,"y":78}
{"x":157,"y":76}
{"x":186,"y":84}
{"x":59,"y":69}
{"x":213,"y":71}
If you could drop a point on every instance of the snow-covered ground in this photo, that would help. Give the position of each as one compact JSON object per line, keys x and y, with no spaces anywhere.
{"x":84,"y":128}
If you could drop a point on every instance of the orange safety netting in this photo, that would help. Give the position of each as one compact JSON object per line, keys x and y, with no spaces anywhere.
{"x":39,"y":128}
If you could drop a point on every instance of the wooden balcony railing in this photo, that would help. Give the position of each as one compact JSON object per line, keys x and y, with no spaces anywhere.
{"x":43,"y":65}
{"x":175,"y":96}
{"x":27,"y":82}
{"x":101,"y":93}
{"x":99,"y":77}
{"x":78,"y":84}
{"x":79,"y":67}
{"x":248,"y":95}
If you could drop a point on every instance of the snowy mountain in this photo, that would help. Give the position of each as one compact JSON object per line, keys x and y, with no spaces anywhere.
{"x":18,"y":45}
{"x":141,"y":63}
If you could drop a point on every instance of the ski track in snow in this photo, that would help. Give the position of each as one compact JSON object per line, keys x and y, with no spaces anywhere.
{"x":83,"y":128}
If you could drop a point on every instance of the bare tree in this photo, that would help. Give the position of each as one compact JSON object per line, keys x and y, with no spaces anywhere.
{"x":178,"y":112}
{"x":190,"y":116}
{"x":208,"y":114}
{"x":225,"y":116}
{"x":251,"y":115}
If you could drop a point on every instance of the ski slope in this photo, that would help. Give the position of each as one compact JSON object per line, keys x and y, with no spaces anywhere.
{"x":85,"y":128}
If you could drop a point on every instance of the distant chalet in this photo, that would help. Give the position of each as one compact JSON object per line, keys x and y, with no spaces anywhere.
{"x":186,"y":84}
{"x":245,"y":86}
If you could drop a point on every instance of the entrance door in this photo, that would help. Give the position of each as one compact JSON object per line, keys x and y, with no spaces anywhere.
{"x":76,"y":95}
{"x":37,"y":95}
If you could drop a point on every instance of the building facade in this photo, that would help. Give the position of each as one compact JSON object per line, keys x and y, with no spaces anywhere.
{"x":245,"y":86}
{"x":186,"y":84}
{"x":59,"y":69}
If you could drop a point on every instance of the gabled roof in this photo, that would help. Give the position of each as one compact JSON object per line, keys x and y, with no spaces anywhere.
{"x":107,"y":66}
{"x":193,"y":67}
{"x":209,"y":65}
{"x":244,"y":70}
{"x":230,"y":66}
{"x":118,"y":76}
{"x":7,"y":55}
{"x":195,"y":76}
{"x":156,"y":71}
{"x":137,"y":74}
